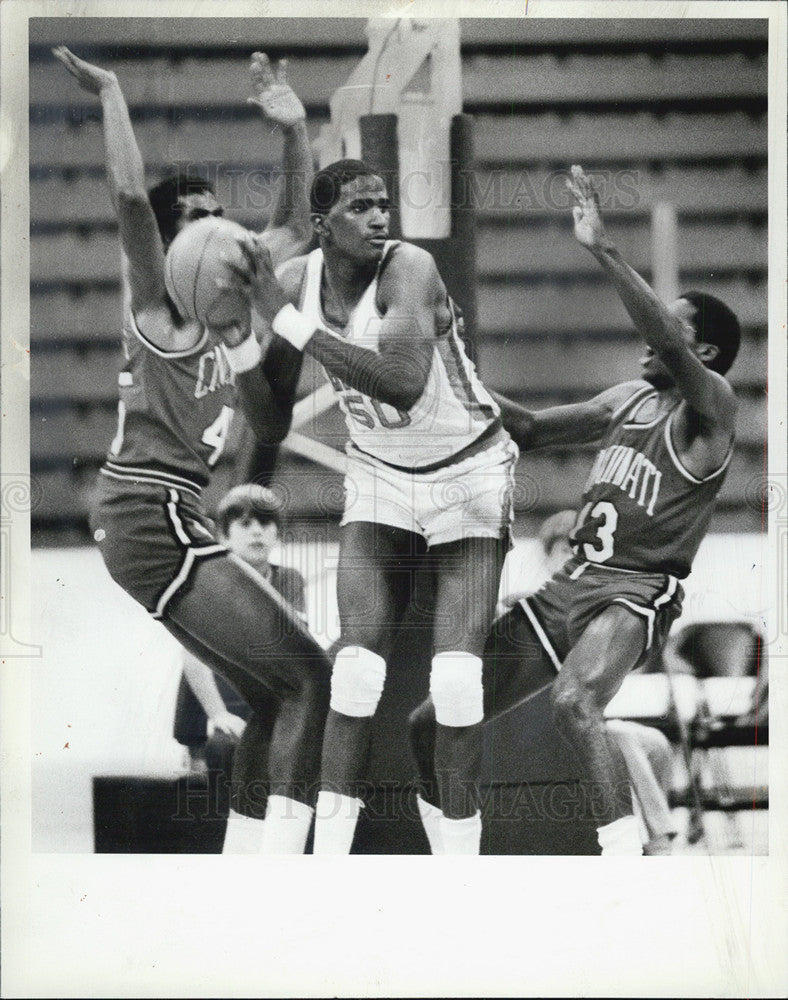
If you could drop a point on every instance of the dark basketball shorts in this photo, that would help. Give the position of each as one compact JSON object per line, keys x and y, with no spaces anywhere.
{"x":562,"y":608}
{"x":151,"y":534}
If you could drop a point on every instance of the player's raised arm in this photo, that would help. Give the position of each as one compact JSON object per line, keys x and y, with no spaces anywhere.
{"x":289,"y":229}
{"x":706,"y":391}
{"x":572,"y":424}
{"x":139,"y":234}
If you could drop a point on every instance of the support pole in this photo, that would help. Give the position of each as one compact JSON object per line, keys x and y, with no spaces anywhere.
{"x":664,"y":251}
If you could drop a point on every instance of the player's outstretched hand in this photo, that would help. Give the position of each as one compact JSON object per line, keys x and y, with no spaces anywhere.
{"x":589,"y":229}
{"x":91,"y":78}
{"x":273,"y":94}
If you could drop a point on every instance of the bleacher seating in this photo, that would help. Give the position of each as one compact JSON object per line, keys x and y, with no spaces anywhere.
{"x":663,"y":110}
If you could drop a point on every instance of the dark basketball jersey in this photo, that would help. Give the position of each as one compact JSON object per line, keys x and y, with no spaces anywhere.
{"x":644,"y":510}
{"x":175,"y":408}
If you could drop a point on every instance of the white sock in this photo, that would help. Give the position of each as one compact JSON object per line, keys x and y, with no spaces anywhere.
{"x":244,"y":834}
{"x":431,"y":817}
{"x":663,"y":844}
{"x":461,"y":836}
{"x":619,"y":838}
{"x":335,"y":822}
{"x":286,"y":826}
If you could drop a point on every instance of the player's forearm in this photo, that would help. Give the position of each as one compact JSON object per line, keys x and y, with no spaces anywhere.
{"x":266,"y":380}
{"x":268,"y":416}
{"x":517,"y":420}
{"x":652,"y":318}
{"x":125,"y":170}
{"x":397,"y":375}
{"x":292,"y":205}
{"x":392,"y":378}
{"x":573,"y":424}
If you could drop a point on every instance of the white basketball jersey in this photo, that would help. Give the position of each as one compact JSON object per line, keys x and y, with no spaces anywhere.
{"x":453,"y":411}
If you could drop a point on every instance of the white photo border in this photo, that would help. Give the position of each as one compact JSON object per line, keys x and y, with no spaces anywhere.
{"x":155,"y":926}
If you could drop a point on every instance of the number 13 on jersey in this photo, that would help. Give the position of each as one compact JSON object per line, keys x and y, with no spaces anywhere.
{"x":596,"y":547}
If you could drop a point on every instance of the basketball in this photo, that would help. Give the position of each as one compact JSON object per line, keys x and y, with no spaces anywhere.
{"x":196,"y":261}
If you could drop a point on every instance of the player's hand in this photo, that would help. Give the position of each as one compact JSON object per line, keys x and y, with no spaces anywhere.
{"x":273,"y":94}
{"x":91,"y":78}
{"x":589,"y":229}
{"x":227,"y":723}
{"x":255,"y":278}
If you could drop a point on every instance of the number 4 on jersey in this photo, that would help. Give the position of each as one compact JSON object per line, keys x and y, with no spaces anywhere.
{"x":215,"y":435}
{"x":596,"y":547}
{"x":117,"y":441}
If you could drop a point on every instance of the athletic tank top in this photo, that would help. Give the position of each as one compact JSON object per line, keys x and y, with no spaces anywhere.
{"x":644,"y":510}
{"x":175,"y":407}
{"x":454,"y":410}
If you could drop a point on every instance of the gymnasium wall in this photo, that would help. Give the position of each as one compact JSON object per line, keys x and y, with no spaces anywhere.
{"x":661,"y":110}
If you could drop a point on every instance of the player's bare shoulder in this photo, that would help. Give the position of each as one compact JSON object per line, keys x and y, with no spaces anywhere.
{"x":290,"y":276}
{"x":410,"y":284}
{"x":408,"y":269}
{"x":727,"y":408}
{"x":702,"y":441}
{"x":613,"y":399}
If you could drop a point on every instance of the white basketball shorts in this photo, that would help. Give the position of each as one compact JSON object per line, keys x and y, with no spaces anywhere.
{"x":471,"y":498}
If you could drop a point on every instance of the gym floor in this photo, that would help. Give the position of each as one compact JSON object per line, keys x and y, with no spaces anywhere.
{"x":103,"y":691}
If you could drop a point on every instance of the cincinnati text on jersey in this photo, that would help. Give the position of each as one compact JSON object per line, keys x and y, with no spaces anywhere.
{"x":213,"y":370}
{"x":631,"y":471}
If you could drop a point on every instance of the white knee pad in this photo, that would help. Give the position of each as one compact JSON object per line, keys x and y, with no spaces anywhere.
{"x":456,"y":689}
{"x":357,"y":681}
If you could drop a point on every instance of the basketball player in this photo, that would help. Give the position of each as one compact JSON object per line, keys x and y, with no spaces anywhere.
{"x":429,"y":464}
{"x":666,"y":442}
{"x":176,"y":397}
{"x":647,"y":752}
